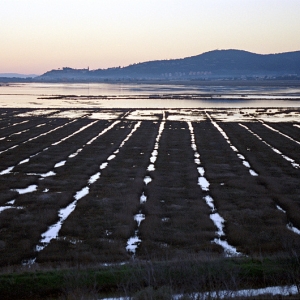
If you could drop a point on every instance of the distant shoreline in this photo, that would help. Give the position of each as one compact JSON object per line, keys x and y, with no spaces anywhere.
{"x":211,"y":82}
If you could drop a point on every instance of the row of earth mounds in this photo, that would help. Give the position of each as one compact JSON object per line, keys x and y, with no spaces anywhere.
{"x":58,"y":156}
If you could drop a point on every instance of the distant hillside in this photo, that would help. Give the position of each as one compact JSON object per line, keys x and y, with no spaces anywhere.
{"x":17,"y":75}
{"x":210,"y":65}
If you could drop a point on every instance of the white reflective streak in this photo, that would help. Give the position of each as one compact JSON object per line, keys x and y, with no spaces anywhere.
{"x":139,"y":218}
{"x":63,"y":214}
{"x":234,"y":294}
{"x":94,"y":178}
{"x":35,"y":137}
{"x":60,"y":164}
{"x":48,"y":174}
{"x":154,"y":154}
{"x":53,"y":230}
{"x":293,"y":163}
{"x":240,"y":156}
{"x":72,"y":134}
{"x":289,"y":225}
{"x":281,"y":133}
{"x":214,"y":216}
{"x":134,"y":241}
{"x":29,"y":189}
{"x":204,"y":184}
{"x":7,"y":171}
{"x":143,"y":198}
{"x":147,"y":180}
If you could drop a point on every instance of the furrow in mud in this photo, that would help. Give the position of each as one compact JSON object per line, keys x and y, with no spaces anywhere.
{"x":240,"y":156}
{"x":244,"y":201}
{"x":229,"y":250}
{"x":176,"y":219}
{"x":53,"y":230}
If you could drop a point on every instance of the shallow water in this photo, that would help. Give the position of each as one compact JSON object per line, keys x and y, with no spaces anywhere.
{"x":28,"y":94}
{"x":29,"y":189}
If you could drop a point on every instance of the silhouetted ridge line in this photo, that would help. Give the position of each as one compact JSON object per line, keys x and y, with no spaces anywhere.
{"x":216,"y":64}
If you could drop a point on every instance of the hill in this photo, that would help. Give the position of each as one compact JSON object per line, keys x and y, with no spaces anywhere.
{"x":210,"y":65}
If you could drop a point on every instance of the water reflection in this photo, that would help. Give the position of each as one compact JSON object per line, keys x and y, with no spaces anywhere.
{"x":115,"y":95}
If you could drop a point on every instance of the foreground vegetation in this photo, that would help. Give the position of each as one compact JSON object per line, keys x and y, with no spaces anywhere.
{"x":137,"y":279}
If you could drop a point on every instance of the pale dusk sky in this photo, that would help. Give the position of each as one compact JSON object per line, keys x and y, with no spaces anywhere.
{"x":40,"y":35}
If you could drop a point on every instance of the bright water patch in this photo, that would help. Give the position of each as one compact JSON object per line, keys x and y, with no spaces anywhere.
{"x":24,"y":161}
{"x":139,"y":218}
{"x":204,"y":184}
{"x":147,"y":180}
{"x":75,"y":153}
{"x":228,"y":249}
{"x":219,"y":223}
{"x":210,"y":202}
{"x":133,"y":243}
{"x":83,"y":192}
{"x":111,"y":157}
{"x":6,"y":171}
{"x":291,"y":227}
{"x":151,"y":168}
{"x":103,"y":165}
{"x":29,"y":189}
{"x":246,"y":164}
{"x":280,"y":208}
{"x":44,"y":175}
{"x":201,"y":171}
{"x":60,"y":164}
{"x":253,"y":173}
{"x":94,"y":178}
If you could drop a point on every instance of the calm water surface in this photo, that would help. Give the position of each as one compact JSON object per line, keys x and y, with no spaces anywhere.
{"x":28,"y":94}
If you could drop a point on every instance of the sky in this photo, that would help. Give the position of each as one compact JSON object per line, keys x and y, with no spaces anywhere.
{"x":40,"y":35}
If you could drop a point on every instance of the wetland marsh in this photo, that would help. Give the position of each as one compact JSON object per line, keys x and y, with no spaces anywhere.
{"x":148,"y":174}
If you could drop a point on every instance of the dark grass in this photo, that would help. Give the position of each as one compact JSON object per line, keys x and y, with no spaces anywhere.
{"x":254,"y":225}
{"x":60,"y":152}
{"x":177,"y":218}
{"x":276,"y":174}
{"x":103,"y":221}
{"x":285,"y":145}
{"x":183,"y":276}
